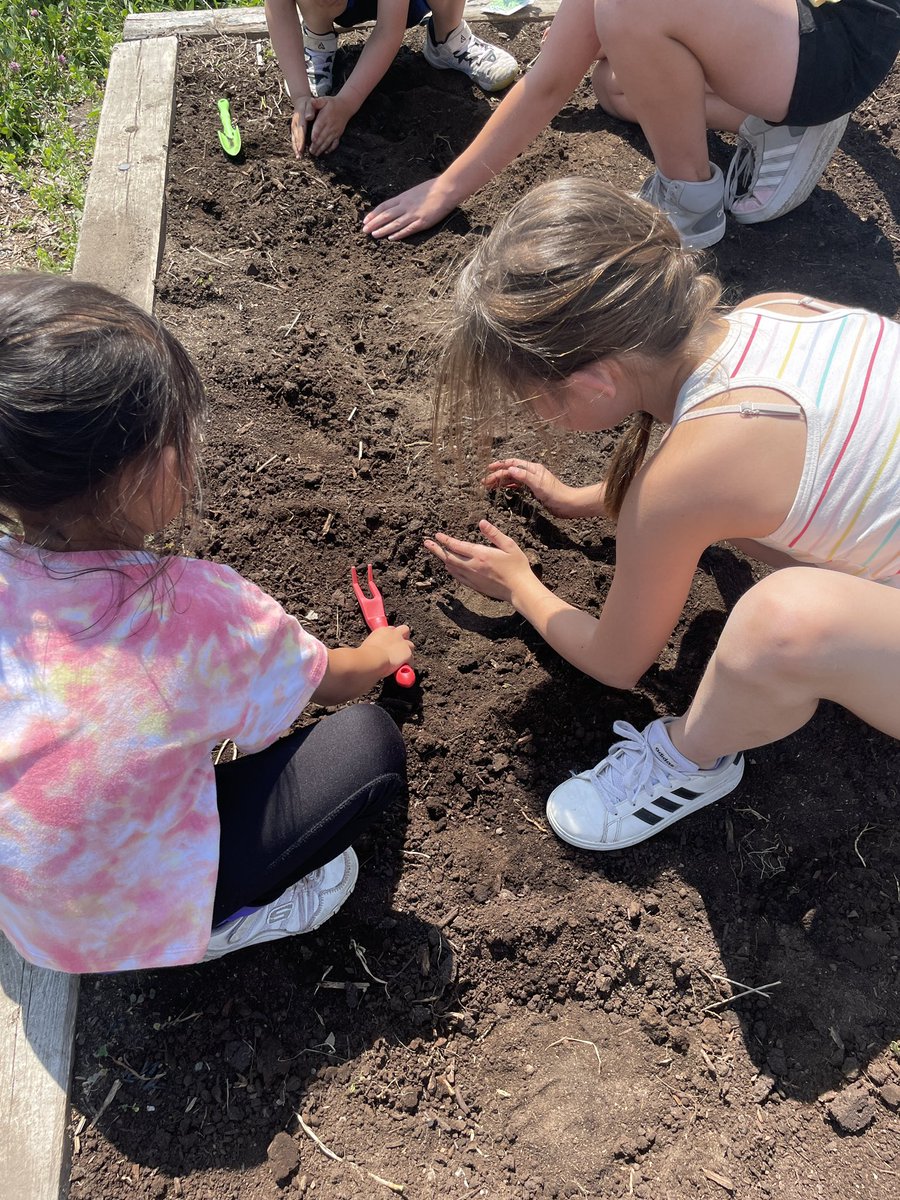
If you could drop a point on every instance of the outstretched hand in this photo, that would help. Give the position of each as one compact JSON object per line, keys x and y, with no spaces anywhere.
{"x":412,"y":211}
{"x":557,"y":497}
{"x":495,"y":570}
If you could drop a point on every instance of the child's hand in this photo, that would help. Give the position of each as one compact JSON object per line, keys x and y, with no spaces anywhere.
{"x":304,"y":112}
{"x":557,"y":497}
{"x":332,"y":115}
{"x":495,"y":570}
{"x":388,"y":648}
{"x":418,"y":208}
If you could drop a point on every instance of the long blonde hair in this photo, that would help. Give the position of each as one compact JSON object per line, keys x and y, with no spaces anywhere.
{"x":577,"y":271}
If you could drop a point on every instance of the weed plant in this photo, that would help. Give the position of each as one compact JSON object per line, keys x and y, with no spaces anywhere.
{"x":53,"y":61}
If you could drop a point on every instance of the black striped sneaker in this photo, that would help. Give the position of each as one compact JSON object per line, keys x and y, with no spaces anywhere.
{"x":636,"y":791}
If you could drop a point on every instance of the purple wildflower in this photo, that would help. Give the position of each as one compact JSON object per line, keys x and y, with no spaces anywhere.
{"x":14,"y":67}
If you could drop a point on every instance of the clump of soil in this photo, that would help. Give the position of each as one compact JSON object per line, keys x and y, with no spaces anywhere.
{"x":493,"y":1013}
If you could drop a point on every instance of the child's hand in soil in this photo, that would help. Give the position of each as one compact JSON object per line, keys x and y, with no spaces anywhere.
{"x":418,"y":208}
{"x":388,"y":648}
{"x":557,"y":497}
{"x":304,"y":112}
{"x":332,"y":115}
{"x":497,"y":570}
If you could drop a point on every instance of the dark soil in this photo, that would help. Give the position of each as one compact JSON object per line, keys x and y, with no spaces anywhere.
{"x":493,"y":1013}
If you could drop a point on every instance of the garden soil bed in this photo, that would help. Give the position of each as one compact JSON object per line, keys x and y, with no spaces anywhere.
{"x":493,"y":1013}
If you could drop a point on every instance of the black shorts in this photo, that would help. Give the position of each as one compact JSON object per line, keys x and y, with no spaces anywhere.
{"x":358,"y":11}
{"x":846,"y":50}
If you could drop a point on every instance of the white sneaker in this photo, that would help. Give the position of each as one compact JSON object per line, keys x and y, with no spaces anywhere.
{"x":319,"y":50}
{"x":639,"y":789}
{"x":775,"y":167}
{"x":697,"y":210}
{"x":488,"y":66}
{"x":301,"y":908}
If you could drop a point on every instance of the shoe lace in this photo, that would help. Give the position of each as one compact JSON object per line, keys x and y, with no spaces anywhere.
{"x":742,"y":172}
{"x":629,"y":768}
{"x":477,"y":52}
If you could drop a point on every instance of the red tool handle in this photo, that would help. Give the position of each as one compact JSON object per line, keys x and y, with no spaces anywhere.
{"x":373,"y":611}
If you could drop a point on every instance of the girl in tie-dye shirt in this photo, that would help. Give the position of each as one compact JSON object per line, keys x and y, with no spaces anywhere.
{"x":784,"y":435}
{"x":121,"y":844}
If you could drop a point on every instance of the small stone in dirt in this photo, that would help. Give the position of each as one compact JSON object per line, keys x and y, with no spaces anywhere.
{"x":283,"y":1156}
{"x":852,"y":1110}
{"x":310,"y":479}
{"x":762,"y":1088}
{"x":890,"y":1096}
{"x":409,"y":1099}
{"x":653,"y":1024}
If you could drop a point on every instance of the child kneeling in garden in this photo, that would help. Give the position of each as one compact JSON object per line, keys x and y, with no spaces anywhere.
{"x":121,"y":844}
{"x":305,"y":43}
{"x":783,"y":437}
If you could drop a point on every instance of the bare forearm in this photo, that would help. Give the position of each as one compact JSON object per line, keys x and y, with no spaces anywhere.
{"x":283,"y":21}
{"x":528,"y":109}
{"x":377,"y":55}
{"x":570,"y":631}
{"x":351,"y":672}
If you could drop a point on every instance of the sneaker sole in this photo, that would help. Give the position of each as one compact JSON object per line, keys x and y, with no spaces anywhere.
{"x":810,"y":165}
{"x":735,"y":776}
{"x":335,"y":896}
{"x":704,"y":240}
{"x":333,"y":899}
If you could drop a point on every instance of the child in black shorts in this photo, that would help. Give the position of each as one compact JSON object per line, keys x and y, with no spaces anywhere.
{"x":847,"y":47}
{"x":782,"y":75}
{"x":305,"y":43}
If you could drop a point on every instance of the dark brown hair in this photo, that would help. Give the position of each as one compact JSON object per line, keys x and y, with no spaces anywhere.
{"x":89,"y":384}
{"x":577,"y":271}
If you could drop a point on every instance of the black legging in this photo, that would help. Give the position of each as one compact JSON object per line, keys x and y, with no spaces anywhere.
{"x":300,"y":802}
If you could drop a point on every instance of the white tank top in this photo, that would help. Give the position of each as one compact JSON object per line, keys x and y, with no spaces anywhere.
{"x":842,"y":366}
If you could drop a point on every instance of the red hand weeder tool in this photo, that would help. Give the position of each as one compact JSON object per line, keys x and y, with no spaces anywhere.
{"x":373,"y":611}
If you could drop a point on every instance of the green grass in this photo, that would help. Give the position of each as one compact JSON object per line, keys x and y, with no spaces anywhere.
{"x":53,"y":59}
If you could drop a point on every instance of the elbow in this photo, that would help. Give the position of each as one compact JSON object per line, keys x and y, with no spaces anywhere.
{"x":624,"y":677}
{"x":622,"y":681}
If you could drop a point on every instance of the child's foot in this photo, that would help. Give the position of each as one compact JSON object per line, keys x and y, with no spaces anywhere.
{"x":319,"y":50}
{"x":301,"y":908}
{"x":697,"y":210}
{"x":775,"y":167}
{"x":488,"y":66}
{"x":643,"y":785}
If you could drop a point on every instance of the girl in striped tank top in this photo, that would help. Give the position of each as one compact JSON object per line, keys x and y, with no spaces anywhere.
{"x":783,"y":439}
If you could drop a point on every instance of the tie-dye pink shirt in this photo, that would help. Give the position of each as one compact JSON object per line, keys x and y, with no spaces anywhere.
{"x":110,"y":706}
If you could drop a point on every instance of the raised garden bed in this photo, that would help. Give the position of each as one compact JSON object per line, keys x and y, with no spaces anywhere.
{"x":493,"y":1014}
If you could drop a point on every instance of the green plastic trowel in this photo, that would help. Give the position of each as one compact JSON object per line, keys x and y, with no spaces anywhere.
{"x":229,"y":134}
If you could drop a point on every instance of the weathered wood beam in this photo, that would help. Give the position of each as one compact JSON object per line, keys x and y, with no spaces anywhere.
{"x":251,"y":22}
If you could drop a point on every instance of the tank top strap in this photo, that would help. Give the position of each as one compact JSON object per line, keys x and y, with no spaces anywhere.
{"x":746,"y":408}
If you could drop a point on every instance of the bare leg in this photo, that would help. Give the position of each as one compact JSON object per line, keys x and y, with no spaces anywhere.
{"x":613,"y":100}
{"x":666,"y":54}
{"x":446,"y":15}
{"x":320,"y":15}
{"x":797,"y":637}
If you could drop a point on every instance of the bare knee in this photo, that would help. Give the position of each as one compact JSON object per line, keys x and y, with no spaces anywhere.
{"x":322,"y":9}
{"x":781,"y":628}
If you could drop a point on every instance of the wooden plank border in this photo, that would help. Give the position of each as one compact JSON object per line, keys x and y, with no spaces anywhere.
{"x":120,"y":245}
{"x":251,"y":22}
{"x":121,"y":239}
